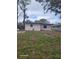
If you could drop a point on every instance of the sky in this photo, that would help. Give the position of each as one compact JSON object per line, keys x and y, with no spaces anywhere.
{"x":35,"y":12}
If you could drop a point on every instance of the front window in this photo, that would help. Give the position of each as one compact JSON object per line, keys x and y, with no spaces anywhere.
{"x":45,"y":26}
{"x":31,"y":25}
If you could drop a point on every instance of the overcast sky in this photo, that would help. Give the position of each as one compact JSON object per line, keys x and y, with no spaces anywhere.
{"x":35,"y":12}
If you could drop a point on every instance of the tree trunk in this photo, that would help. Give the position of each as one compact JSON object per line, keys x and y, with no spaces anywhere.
{"x":24,"y":18}
{"x":17,"y":11}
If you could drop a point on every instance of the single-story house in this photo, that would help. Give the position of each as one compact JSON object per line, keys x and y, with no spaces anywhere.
{"x":38,"y":27}
{"x":57,"y":27}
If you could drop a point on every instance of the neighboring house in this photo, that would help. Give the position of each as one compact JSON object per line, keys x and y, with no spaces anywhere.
{"x":57,"y":27}
{"x":38,"y":27}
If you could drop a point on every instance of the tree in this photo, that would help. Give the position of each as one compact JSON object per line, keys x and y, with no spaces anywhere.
{"x":23,"y":6}
{"x":37,"y":21}
{"x":44,"y":21}
{"x":52,"y":5}
{"x":20,"y":26}
{"x":17,"y":10}
{"x":28,"y":21}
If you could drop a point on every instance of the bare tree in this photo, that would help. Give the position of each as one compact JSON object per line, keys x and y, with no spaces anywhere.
{"x":23,"y":6}
{"x":52,"y":5}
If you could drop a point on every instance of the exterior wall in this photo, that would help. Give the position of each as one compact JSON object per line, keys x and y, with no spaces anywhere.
{"x":36,"y":27}
{"x":49,"y":28}
{"x":28,"y":28}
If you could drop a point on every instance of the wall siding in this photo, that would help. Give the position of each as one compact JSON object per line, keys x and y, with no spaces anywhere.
{"x":36,"y":27}
{"x":49,"y":28}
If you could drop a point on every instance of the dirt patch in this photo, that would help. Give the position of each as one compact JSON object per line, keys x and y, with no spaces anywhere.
{"x":21,"y":31}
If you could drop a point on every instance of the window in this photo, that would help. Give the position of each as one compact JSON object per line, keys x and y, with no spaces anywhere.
{"x":31,"y":25}
{"x":45,"y":26}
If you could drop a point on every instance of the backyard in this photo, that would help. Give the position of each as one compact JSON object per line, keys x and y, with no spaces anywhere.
{"x":39,"y":45}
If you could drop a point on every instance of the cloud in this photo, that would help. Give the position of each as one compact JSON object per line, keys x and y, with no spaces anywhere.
{"x":35,"y":6}
{"x":35,"y":12}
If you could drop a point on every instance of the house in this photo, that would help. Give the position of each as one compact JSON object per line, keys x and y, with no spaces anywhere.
{"x":57,"y":27}
{"x":38,"y":27}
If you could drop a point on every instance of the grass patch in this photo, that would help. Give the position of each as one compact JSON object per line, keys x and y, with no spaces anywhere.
{"x":38,"y":46}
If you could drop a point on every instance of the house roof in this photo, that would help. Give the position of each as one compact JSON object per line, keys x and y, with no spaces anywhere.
{"x":57,"y":25}
{"x":40,"y":23}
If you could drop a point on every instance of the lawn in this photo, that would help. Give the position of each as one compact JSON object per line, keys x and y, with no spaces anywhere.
{"x":39,"y":45}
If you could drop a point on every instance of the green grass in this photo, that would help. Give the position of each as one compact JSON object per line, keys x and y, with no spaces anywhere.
{"x":37,"y":45}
